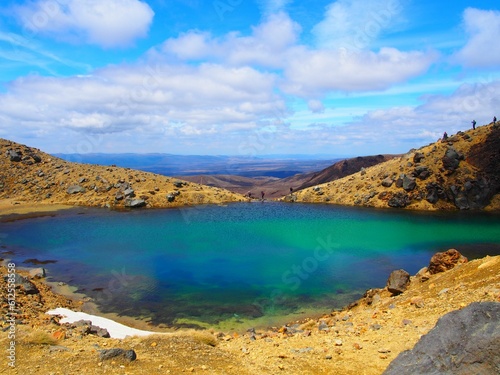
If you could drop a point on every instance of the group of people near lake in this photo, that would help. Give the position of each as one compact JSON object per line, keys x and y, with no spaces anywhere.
{"x":473,"y":122}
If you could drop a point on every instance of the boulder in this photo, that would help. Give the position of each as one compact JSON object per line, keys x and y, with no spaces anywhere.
{"x":98,"y":331}
{"x":178,"y":184}
{"x":475,"y":194}
{"x":444,"y":261}
{"x":135,"y":203}
{"x":463,"y":342}
{"x":26,"y":286}
{"x":418,"y":157}
{"x":387,"y":182}
{"x":451,"y":159}
{"x":14,"y":155}
{"x":409,"y":183}
{"x":422,"y":172}
{"x":75,"y":189}
{"x":398,"y":281}
{"x":38,"y":273}
{"x":116,"y":353}
{"x":36,"y":158}
{"x":129,"y":192}
{"x":170,"y":197}
{"x":399,"y":200}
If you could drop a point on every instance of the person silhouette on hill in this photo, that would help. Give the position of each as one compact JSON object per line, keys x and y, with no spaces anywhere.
{"x":474,"y":124}
{"x":445,"y":136}
{"x":494,"y":120}
{"x":262,"y":194}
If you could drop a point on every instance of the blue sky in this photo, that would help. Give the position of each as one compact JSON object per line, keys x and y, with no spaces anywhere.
{"x":241,"y":77}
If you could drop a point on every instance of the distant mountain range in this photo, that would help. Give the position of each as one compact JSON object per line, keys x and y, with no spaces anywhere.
{"x":278,"y":166}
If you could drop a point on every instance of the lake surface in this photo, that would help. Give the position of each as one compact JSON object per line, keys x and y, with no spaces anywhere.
{"x":240,"y":265}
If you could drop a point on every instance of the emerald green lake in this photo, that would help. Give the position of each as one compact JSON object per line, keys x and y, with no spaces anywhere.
{"x":240,"y":265}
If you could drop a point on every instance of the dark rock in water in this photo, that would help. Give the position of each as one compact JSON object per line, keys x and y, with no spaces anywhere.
{"x":135,"y":203}
{"x":75,"y":189}
{"x":441,"y":262}
{"x":117,"y":352}
{"x":398,"y":281}
{"x":399,"y":200}
{"x":14,"y":155}
{"x":463,"y":342}
{"x":409,"y":183}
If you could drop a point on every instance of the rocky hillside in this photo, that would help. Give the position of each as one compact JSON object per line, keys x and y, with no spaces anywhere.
{"x":460,"y":172}
{"x":28,"y":175}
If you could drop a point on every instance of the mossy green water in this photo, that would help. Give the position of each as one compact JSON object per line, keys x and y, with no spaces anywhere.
{"x":251,"y":263}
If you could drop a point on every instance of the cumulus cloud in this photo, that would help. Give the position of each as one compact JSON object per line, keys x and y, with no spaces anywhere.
{"x":482,"y":48}
{"x":266,"y":47}
{"x":355,"y":24}
{"x":186,"y":100}
{"x":315,"y":106}
{"x":415,"y":126}
{"x":316,"y":72}
{"x":110,"y":23}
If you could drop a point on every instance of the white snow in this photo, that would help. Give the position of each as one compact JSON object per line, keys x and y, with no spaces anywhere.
{"x":116,"y":330}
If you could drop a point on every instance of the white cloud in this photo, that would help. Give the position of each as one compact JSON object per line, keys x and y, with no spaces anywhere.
{"x":315,"y":106}
{"x":483,"y":47}
{"x":355,"y":24}
{"x":266,"y":47}
{"x":313,"y":73}
{"x":110,"y":23}
{"x":183,"y":100}
{"x":407,"y":127}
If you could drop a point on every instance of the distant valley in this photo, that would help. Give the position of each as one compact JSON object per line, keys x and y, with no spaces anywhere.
{"x":273,"y":175}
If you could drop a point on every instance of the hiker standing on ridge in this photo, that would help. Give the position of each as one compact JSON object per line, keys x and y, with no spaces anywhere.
{"x":474,"y":124}
{"x":494,"y":120}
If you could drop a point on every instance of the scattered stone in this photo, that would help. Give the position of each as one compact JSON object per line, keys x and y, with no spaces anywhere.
{"x":129,"y":192}
{"x":338,"y":342}
{"x":387,"y":182}
{"x":465,"y":341}
{"x":444,"y":261}
{"x":384,"y":351}
{"x":170,"y":197}
{"x":14,"y":156}
{"x":107,"y":354}
{"x":409,"y":183}
{"x":417,"y":158}
{"x":375,"y":327}
{"x":135,"y":203}
{"x":451,"y":159}
{"x":399,"y":200}
{"x":407,"y":322}
{"x":398,"y":281}
{"x":323,"y":326}
{"x":417,"y":301}
{"x":178,"y":184}
{"x":38,"y":273}
{"x":75,"y":189}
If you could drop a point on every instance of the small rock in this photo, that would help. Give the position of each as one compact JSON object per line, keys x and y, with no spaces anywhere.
{"x":445,"y":261}
{"x":417,"y":301}
{"x":75,"y":189}
{"x":398,"y":281}
{"x":384,"y":350}
{"x":338,"y":342}
{"x":107,"y":354}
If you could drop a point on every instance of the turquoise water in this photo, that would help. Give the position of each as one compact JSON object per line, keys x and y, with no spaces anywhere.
{"x":209,"y":264}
